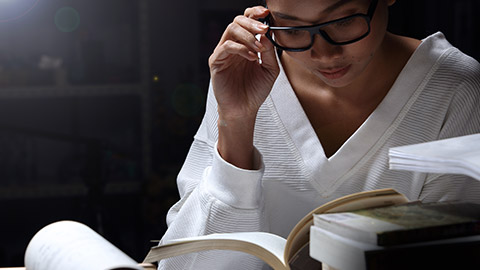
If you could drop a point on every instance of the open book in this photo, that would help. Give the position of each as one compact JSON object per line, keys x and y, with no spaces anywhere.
{"x":74,"y":246}
{"x":274,"y":250}
{"x":459,"y":155}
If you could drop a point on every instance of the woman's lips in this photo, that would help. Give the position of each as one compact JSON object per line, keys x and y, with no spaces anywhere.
{"x":335,"y":73}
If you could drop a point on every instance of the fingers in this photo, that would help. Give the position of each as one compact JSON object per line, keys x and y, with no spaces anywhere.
{"x":240,"y":38}
{"x":256,"y":12}
{"x":243,"y":30}
{"x":231,"y":48}
{"x":269,"y":58}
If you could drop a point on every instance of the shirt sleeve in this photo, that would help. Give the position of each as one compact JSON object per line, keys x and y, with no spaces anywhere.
{"x":215,"y":196}
{"x":462,"y":118}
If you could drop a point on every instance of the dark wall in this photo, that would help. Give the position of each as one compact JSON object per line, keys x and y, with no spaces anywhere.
{"x":457,"y":19}
{"x":100,"y":137}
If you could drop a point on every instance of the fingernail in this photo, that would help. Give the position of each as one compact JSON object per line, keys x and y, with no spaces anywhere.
{"x":261,"y":26}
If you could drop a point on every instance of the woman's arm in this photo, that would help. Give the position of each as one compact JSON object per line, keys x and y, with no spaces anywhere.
{"x":216,"y":196}
{"x":220,"y":183}
{"x":241,"y":84}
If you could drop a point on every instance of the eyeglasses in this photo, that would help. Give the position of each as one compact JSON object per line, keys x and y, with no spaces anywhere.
{"x":341,"y":31}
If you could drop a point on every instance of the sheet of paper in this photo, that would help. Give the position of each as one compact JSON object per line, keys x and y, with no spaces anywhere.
{"x":460,"y":155}
{"x":74,"y":246}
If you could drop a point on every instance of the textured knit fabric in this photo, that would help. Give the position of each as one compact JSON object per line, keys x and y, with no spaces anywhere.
{"x":436,"y":96}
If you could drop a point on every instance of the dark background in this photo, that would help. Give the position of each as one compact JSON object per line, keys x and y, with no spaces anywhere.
{"x":99,"y":101}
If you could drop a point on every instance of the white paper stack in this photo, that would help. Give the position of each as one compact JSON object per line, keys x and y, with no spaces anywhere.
{"x":459,"y":155}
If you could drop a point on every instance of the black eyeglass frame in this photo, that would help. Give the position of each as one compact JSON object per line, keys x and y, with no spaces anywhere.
{"x":316,"y":29}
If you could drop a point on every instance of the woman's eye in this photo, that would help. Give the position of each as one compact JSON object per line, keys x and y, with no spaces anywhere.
{"x":292,"y":32}
{"x":344,"y":23}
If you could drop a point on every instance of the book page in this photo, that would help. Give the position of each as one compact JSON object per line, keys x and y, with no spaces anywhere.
{"x":74,"y":246}
{"x":270,"y":242}
{"x":266,"y":246}
{"x":458,"y":155}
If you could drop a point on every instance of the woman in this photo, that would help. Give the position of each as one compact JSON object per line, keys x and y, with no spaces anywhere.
{"x":315,"y":119}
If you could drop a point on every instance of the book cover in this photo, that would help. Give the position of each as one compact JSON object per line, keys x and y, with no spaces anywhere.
{"x":407,"y":223}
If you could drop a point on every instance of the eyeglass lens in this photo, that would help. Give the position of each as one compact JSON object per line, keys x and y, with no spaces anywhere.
{"x":341,"y":31}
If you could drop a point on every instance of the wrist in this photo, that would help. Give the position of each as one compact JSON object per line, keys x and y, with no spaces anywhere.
{"x":235,"y":142}
{"x":236,"y":116}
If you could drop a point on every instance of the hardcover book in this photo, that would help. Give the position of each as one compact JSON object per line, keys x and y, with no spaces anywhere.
{"x":342,"y":253}
{"x":407,"y":223}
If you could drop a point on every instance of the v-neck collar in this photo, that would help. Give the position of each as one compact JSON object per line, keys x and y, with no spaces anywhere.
{"x":368,"y":137}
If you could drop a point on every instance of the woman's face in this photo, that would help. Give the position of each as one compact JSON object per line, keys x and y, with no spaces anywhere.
{"x":336,"y":66}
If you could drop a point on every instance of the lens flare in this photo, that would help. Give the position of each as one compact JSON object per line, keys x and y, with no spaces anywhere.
{"x":67,"y":19}
{"x":11,"y":10}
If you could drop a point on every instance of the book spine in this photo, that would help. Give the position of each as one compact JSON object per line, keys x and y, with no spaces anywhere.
{"x":428,"y":234}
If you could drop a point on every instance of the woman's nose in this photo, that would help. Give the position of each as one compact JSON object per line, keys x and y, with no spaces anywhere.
{"x":322,"y":50}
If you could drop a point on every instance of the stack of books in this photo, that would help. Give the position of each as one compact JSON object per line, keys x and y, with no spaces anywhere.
{"x":415,"y":235}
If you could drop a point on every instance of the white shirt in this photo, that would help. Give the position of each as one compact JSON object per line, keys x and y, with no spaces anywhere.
{"x":436,"y":96}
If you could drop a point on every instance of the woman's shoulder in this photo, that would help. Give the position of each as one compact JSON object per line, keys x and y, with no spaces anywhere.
{"x":461,"y":71}
{"x":449,"y":57}
{"x":448,"y":67}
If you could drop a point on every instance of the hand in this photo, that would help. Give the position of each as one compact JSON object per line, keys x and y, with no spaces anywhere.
{"x":239,"y":82}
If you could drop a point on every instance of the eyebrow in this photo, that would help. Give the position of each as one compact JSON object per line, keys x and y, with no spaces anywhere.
{"x":327,"y":10}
